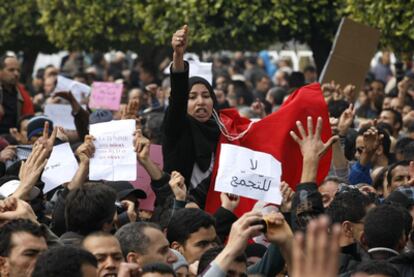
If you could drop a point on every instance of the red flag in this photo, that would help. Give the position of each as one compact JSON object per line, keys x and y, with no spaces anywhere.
{"x":271,"y":135}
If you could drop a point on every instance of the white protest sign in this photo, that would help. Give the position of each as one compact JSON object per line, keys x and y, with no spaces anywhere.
{"x":61,"y":115}
{"x":115,"y":158}
{"x":60,"y":168}
{"x":80,"y":91}
{"x":249,"y":173}
{"x":201,"y":69}
{"x":197,"y":68}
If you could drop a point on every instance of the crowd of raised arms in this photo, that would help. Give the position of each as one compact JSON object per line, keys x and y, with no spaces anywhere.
{"x":357,"y":221}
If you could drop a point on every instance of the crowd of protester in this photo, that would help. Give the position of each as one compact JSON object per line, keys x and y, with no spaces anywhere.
{"x":358,"y":222}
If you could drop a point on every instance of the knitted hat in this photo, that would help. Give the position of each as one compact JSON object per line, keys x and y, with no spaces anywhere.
{"x":36,"y":124}
{"x":100,"y":116}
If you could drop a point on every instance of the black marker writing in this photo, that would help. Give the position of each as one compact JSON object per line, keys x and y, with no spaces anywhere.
{"x":235,"y":182}
{"x":253,"y":166}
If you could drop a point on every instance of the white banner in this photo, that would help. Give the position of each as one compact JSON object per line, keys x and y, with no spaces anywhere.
{"x":249,"y":173}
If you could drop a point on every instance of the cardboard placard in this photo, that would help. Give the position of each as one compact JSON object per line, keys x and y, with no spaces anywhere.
{"x":354,"y":46}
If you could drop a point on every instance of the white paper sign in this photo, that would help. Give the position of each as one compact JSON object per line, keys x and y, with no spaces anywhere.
{"x":201,"y":69}
{"x":114,"y":158}
{"x":80,"y":91}
{"x":60,"y":168}
{"x":197,"y":68}
{"x":249,"y":173}
{"x":61,"y":115}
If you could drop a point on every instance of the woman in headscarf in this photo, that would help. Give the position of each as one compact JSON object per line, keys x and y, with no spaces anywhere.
{"x":190,"y":132}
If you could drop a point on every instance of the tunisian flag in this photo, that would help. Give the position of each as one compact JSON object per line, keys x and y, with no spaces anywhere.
{"x":271,"y":135}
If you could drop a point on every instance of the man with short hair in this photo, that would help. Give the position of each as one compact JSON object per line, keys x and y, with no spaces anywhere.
{"x":372,"y":151}
{"x":144,"y":243}
{"x":238,"y":266}
{"x":348,"y":209}
{"x":14,"y":99}
{"x":393,"y":118}
{"x":21,"y":241}
{"x":65,"y":262}
{"x":385,"y":237}
{"x":89,"y":208}
{"x":157,"y":270}
{"x":397,"y":175}
{"x":191,"y":232}
{"x":376,"y":269}
{"x":107,"y":251}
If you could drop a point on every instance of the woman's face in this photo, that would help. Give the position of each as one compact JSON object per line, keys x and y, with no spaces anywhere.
{"x":200,"y":103}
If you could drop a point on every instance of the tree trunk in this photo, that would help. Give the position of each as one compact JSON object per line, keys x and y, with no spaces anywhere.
{"x":29,"y":59}
{"x":321,"y":49}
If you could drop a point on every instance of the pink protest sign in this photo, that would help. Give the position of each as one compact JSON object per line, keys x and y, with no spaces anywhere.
{"x":144,"y":180}
{"x":106,"y":95}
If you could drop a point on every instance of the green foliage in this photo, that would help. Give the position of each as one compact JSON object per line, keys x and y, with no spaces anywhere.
{"x":90,"y":24}
{"x":240,"y":24}
{"x":19,"y":27}
{"x":395,"y":19}
{"x":219,"y":24}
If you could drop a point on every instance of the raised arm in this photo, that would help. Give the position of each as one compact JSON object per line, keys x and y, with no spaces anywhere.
{"x":312,"y":148}
{"x":84,"y":153}
{"x":175,"y":118}
{"x":179,"y":44}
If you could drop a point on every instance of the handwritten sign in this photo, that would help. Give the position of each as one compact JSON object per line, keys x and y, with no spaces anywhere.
{"x":115,"y":158}
{"x":143,"y":180}
{"x":197,"y":68}
{"x":106,"y":95}
{"x":80,"y":91}
{"x":61,"y":115}
{"x":60,"y":168}
{"x":249,"y":173}
{"x":201,"y":69}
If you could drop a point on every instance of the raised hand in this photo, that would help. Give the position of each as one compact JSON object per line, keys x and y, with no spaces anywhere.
{"x":21,"y":139}
{"x":46,"y":140}
{"x":142,"y":147}
{"x":178,"y":186}
{"x":179,"y":44}
{"x":320,"y":256}
{"x":242,"y":230}
{"x":278,"y":230}
{"x":310,"y":143}
{"x":13,"y":208}
{"x":30,"y":171}
{"x":130,"y":111}
{"x":372,"y":139}
{"x":130,"y":210}
{"x":129,"y":270}
{"x":179,"y":41}
{"x":8,"y":153}
{"x":287,"y":197}
{"x":345,"y":120}
{"x":229,"y":201}
{"x":67,"y":95}
{"x":86,"y":150}
{"x":312,"y":148}
{"x":349,"y":93}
